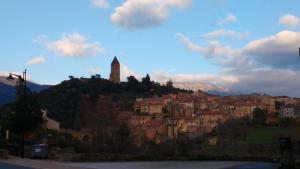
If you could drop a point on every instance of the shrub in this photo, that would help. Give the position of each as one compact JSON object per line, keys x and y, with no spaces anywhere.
{"x":284,"y":121}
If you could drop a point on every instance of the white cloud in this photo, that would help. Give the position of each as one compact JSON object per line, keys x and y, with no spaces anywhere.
{"x":277,"y":51}
{"x":214,"y":49}
{"x":75,"y":45}
{"x":289,"y":20}
{"x":230,"y":18}
{"x":36,"y":60}
{"x":189,"y":44}
{"x":267,"y":65}
{"x":139,"y":14}
{"x":104,"y":4}
{"x":222,"y":54}
{"x":162,"y":76}
{"x":126,"y":72}
{"x":274,"y":82}
{"x":226,"y":33}
{"x":280,"y":50}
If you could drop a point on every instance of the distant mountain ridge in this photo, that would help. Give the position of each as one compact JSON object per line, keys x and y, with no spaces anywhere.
{"x":8,"y":91}
{"x":206,"y":87}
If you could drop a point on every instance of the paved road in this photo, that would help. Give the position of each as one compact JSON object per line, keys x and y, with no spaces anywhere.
{"x":257,"y":166}
{"x":9,"y":166}
{"x":178,"y":165}
{"x":15,"y":163}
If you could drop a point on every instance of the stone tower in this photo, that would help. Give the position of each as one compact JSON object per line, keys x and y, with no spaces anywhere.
{"x":115,"y":71}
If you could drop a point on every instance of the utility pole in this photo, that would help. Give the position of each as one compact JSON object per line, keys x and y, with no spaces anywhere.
{"x":23,"y":81}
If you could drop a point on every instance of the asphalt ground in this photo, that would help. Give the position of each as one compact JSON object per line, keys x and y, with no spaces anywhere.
{"x":10,"y":166}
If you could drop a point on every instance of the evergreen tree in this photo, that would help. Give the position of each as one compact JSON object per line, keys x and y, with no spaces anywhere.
{"x":26,"y":112}
{"x":169,"y":84}
{"x":146,"y":81}
{"x":259,"y":116}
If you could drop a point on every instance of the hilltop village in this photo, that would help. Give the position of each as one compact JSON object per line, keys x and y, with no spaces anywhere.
{"x":108,"y":116}
{"x":193,"y":115}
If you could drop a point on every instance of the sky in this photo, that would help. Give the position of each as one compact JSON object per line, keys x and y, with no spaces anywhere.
{"x":247,"y":46}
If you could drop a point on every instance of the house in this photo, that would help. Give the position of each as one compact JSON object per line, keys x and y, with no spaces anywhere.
{"x":244,"y":110}
{"x":209,"y":119}
{"x":181,"y":109}
{"x":50,"y":123}
{"x":149,"y":130}
{"x":286,"y":100}
{"x":290,"y":110}
{"x":168,"y":98}
{"x":151,"y":106}
{"x":268,"y":104}
{"x":138,"y":120}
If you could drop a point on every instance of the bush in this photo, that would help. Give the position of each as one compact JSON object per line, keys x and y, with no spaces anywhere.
{"x":272,"y":121}
{"x":296,"y":122}
{"x":284,"y":121}
{"x":259,"y":116}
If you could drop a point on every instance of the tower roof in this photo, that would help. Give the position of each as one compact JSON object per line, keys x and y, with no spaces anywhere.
{"x":115,"y":60}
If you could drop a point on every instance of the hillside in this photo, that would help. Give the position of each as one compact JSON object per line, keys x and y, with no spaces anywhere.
{"x":8,"y":92}
{"x":84,"y":102}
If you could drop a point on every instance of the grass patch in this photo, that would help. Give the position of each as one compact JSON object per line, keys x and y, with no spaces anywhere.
{"x":267,"y":135}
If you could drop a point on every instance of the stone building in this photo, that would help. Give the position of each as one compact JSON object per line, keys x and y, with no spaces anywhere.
{"x":115,"y":71}
{"x":290,"y":110}
{"x":50,"y":123}
{"x":244,"y":110}
{"x":150,"y":106}
{"x":209,"y":119}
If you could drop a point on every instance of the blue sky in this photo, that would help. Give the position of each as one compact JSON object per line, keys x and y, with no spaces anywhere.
{"x":223,"y":42}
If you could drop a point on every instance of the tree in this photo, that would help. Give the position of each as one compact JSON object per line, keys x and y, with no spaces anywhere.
{"x":96,"y":76}
{"x":132,"y":80}
{"x":284,"y":121}
{"x":169,"y":84}
{"x":147,"y":81}
{"x":71,"y":77}
{"x":26,"y":112}
{"x":259,"y":116}
{"x":278,"y":105}
{"x":123,"y":139}
{"x":233,"y":128}
{"x":71,"y":97}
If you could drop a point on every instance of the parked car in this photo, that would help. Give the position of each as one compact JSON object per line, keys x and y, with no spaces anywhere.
{"x":36,"y":151}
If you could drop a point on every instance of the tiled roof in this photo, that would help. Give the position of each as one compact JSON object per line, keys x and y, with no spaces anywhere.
{"x":211,"y":112}
{"x":278,"y":97}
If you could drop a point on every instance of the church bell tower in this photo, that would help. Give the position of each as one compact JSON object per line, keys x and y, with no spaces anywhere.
{"x":115,"y":71}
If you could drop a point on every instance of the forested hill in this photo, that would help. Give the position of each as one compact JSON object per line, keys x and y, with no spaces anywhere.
{"x":8,"y":91}
{"x":82,"y":102}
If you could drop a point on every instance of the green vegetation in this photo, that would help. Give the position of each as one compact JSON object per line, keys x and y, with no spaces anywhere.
{"x":24,"y":115}
{"x":90,"y":104}
{"x":267,"y":135}
{"x":76,"y":101}
{"x":27,"y":113}
{"x":259,"y":116}
{"x":250,"y":137}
